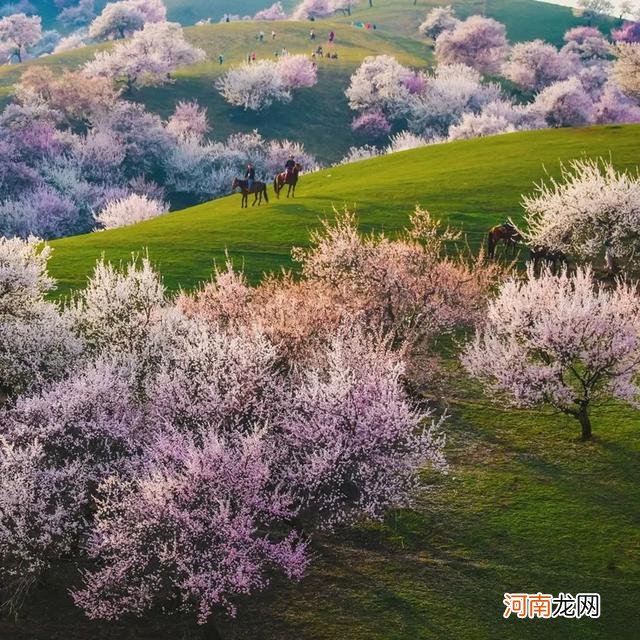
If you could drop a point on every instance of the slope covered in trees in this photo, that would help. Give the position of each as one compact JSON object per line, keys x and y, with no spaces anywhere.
{"x":472,"y":184}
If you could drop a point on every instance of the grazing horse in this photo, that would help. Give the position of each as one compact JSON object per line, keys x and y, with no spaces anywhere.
{"x":506,"y":233}
{"x":258,"y":188}
{"x":287,"y":178}
{"x":540,"y":255}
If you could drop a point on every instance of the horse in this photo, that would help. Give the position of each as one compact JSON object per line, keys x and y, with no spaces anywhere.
{"x":287,"y":178}
{"x":505,"y":233}
{"x":258,"y":188}
{"x":540,"y":255}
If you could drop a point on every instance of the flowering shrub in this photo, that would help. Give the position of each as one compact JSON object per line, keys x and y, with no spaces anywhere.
{"x":130,"y":210}
{"x":560,"y":340}
{"x":480,"y":43}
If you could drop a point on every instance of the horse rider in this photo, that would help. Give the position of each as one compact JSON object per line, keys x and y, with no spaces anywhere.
{"x":289,"y":166}
{"x":250,"y":176}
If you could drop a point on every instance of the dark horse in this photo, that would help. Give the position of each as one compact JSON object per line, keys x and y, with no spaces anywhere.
{"x":541,"y":255}
{"x":505,"y":233}
{"x":258,"y":188}
{"x":287,"y":178}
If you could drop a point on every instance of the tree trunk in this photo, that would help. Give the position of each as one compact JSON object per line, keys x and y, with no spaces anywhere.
{"x":585,"y":423}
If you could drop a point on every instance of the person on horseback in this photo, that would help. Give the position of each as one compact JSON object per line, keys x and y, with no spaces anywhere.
{"x":290,"y":165}
{"x":250,"y":176}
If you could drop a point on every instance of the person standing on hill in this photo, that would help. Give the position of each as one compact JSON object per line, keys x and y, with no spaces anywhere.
{"x":221,"y":58}
{"x":273,"y":35}
{"x":250,"y":176}
{"x":312,"y":34}
{"x":332,"y":37}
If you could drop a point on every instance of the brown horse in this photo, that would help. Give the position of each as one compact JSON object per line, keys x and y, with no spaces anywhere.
{"x":287,"y":178}
{"x":258,"y":188}
{"x":505,"y":233}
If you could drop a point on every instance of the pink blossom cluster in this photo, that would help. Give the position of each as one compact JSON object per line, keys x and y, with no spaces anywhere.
{"x":560,"y":340}
{"x":190,"y":448}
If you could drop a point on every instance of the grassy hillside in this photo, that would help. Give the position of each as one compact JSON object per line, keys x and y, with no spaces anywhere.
{"x":525,"y":19}
{"x":320,"y":116}
{"x":472,"y":184}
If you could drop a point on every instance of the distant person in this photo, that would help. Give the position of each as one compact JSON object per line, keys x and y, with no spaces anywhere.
{"x":312,"y":34}
{"x":227,"y":19}
{"x":284,"y":51}
{"x":253,"y":57}
{"x":273,"y":35}
{"x":261,"y":36}
{"x":276,"y":54}
{"x":221,"y":58}
{"x":250,"y":176}
{"x":290,"y":165}
{"x":249,"y":58}
{"x":332,"y":37}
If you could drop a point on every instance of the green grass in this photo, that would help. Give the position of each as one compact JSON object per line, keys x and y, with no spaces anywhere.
{"x":472,"y":185}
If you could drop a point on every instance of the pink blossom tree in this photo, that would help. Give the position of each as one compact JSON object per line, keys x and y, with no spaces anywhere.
{"x":629,"y":32}
{"x":565,"y":104}
{"x":535,"y":65}
{"x":189,"y":119}
{"x":450,"y":92}
{"x":439,"y":19}
{"x":274,"y":12}
{"x":560,"y":340}
{"x":18,"y":31}
{"x":372,"y":124}
{"x":380,"y":84}
{"x":312,"y":9}
{"x":297,"y":71}
{"x":78,"y":15}
{"x":615,"y":107}
{"x":478,"y":42}
{"x":588,"y":43}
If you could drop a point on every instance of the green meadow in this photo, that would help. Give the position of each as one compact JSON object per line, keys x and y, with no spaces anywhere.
{"x":472,"y":185}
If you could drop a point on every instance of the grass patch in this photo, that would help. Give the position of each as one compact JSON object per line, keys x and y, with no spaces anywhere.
{"x":472,"y":185}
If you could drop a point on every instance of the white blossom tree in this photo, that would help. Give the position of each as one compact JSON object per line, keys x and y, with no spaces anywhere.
{"x":148,"y":58}
{"x":439,"y":19}
{"x":593,"y":208}
{"x":121,"y":19}
{"x":560,"y":340}
{"x":130,"y":210}
{"x":19,"y":31}
{"x":626,"y":70}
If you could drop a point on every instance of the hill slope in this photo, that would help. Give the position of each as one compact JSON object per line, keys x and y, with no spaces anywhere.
{"x":319,"y":117}
{"x":525,"y":19}
{"x":472,"y":184}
